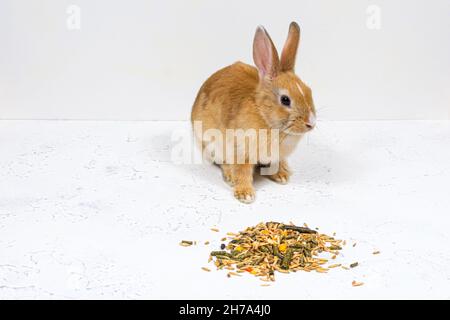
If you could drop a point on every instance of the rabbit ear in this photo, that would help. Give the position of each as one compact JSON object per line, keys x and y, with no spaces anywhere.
{"x":290,"y":48}
{"x":265,"y":54}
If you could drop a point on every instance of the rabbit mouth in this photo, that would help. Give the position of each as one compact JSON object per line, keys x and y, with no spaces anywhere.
{"x":292,"y":126}
{"x":292,"y":133}
{"x":290,"y":129}
{"x":287,"y":128}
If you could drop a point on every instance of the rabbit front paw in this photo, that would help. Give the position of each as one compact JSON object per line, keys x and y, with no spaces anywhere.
{"x":283,"y":174}
{"x":245,"y":194}
{"x":280,"y":177}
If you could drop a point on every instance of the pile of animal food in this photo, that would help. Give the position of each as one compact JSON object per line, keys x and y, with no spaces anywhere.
{"x":269,"y":247}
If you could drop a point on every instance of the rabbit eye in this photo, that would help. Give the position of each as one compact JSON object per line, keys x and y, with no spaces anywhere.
{"x":285,"y":101}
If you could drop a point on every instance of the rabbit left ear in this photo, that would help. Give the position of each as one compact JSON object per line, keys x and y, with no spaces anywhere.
{"x":290,"y":48}
{"x":265,"y":55}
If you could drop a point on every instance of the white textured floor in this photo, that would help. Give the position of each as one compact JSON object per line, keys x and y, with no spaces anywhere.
{"x":97,"y":209}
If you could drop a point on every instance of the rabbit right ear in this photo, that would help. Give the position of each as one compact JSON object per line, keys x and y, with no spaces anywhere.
{"x":265,"y":54}
{"x":290,"y":48}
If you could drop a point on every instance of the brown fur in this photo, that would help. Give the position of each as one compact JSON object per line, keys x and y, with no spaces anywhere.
{"x":241,"y":96}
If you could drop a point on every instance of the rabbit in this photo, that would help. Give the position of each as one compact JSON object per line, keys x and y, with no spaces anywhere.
{"x":269,"y":97}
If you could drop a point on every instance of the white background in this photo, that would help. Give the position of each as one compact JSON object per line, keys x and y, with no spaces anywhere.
{"x":145,"y":60}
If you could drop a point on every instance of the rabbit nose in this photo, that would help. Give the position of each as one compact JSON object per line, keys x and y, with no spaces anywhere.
{"x":310,"y":124}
